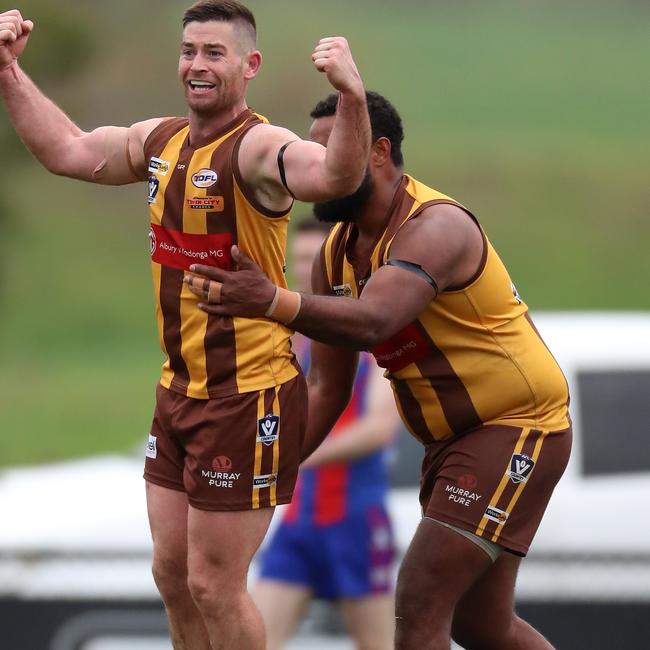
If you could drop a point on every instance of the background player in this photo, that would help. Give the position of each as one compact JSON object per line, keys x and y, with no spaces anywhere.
{"x":410,"y":274}
{"x":215,"y":467}
{"x":335,"y":540}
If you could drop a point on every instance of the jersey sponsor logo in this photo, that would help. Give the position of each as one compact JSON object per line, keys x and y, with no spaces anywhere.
{"x":520,"y":468}
{"x":515,"y":293}
{"x":179,"y":250}
{"x":343,"y":290}
{"x":461,"y":496}
{"x":152,"y":448}
{"x":154,"y":184}
{"x":268,"y":429}
{"x":220,"y":478}
{"x":158,"y":166}
{"x":204,"y":178}
{"x":495,"y":514}
{"x":221,"y":463}
{"x":406,"y":347}
{"x":212,"y":203}
{"x":264,"y":481}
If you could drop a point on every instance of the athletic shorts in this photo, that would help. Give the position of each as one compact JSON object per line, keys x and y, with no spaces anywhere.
{"x":350,"y":559}
{"x":239,"y":452}
{"x":494,"y":481}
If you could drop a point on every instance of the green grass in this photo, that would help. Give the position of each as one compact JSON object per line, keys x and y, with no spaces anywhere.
{"x":534,"y":115}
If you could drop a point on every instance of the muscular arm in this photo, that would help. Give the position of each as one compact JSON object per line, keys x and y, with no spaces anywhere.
{"x":443,"y":240}
{"x":62,"y":147}
{"x":314,"y":173}
{"x":374,"y":430}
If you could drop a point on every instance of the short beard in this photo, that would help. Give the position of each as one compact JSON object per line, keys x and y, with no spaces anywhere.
{"x":346,"y":209}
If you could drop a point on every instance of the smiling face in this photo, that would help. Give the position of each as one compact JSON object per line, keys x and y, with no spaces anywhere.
{"x":217,"y":60}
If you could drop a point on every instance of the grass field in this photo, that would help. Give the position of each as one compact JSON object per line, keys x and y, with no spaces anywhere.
{"x":535,"y":115}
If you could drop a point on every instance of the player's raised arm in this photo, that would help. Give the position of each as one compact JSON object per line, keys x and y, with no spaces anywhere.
{"x":109,"y":155}
{"x":282,"y":165}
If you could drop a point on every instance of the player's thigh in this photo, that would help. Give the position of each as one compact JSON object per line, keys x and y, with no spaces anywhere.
{"x":440,"y":565}
{"x":282,"y":606}
{"x":488,"y":605}
{"x":222,"y":543}
{"x":370,"y":620}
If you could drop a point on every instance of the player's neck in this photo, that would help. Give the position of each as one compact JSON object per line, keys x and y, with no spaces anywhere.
{"x":376,"y":212}
{"x":204,"y":125}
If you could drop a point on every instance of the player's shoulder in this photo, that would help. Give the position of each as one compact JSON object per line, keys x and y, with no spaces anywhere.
{"x":143,"y":131}
{"x":265,"y":135}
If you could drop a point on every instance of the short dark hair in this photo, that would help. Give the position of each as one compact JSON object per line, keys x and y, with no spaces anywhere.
{"x":226,"y":11}
{"x":385,"y":121}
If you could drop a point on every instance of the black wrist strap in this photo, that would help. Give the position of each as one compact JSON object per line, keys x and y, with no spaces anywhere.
{"x":414,"y":268}
{"x":283,"y":176}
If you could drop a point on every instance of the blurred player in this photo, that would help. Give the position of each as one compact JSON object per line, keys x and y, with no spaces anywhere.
{"x":335,"y":540}
{"x":229,"y":421}
{"x":409,"y":274}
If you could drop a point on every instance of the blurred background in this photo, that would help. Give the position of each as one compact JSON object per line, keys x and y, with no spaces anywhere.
{"x":535,"y":115}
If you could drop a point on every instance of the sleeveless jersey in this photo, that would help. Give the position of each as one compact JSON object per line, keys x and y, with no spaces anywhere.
{"x":473,"y":356}
{"x":328,"y":494}
{"x":199,"y":207}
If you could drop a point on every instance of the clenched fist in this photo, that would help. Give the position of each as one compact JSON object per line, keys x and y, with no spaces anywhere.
{"x":332,"y":56}
{"x":14,"y":32}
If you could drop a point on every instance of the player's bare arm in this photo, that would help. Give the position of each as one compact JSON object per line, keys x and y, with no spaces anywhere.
{"x":109,"y":155}
{"x":444,"y":242}
{"x":313,"y":172}
{"x":369,"y":433}
{"x":330,"y":380}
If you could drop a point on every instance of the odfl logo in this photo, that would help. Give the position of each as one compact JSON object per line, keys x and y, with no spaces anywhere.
{"x":204,"y":178}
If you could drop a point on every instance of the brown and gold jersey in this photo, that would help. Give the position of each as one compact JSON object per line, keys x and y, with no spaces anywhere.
{"x":199,"y":207}
{"x":472,"y":356}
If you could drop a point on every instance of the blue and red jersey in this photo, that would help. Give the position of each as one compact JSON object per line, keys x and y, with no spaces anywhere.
{"x":327,"y":494}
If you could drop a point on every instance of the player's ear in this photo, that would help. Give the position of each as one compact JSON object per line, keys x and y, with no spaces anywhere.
{"x":380,"y":151}
{"x":253,"y":63}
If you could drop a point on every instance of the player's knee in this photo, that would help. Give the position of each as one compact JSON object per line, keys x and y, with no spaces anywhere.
{"x":170,"y":576}
{"x":214,"y":590}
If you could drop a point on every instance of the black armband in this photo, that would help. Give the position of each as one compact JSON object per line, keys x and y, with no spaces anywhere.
{"x":283,"y":176}
{"x":414,"y":268}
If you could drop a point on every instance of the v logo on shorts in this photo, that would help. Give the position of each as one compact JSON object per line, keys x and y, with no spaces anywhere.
{"x":520,"y":468}
{"x":268,"y":429}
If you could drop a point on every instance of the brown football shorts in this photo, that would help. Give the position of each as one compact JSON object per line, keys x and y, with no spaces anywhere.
{"x":494,"y":481}
{"x":239,"y":452}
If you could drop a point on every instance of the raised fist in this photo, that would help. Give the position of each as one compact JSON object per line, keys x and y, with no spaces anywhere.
{"x":14,"y":32}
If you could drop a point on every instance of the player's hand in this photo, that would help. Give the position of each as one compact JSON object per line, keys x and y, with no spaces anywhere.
{"x":332,"y":56}
{"x":14,"y":32}
{"x":245,"y":292}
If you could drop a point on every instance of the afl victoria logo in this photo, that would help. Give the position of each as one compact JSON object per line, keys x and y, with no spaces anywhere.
{"x":204,"y":178}
{"x":221,"y":463}
{"x":152,"y":241}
